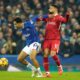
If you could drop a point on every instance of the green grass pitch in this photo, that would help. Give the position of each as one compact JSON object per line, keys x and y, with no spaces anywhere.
{"x":4,"y":75}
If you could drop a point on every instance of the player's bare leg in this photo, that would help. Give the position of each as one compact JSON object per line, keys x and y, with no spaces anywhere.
{"x":55,"y":57}
{"x":35,"y":62}
{"x":21,"y":58}
{"x":46,"y":63}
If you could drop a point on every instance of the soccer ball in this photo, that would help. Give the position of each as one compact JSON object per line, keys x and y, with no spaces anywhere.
{"x":3,"y":62}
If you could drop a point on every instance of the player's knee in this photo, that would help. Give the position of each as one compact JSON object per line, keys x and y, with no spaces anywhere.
{"x":53,"y":53}
{"x":45,"y":54}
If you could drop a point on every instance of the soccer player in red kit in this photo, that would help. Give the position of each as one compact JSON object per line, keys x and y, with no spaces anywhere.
{"x":52,"y":38}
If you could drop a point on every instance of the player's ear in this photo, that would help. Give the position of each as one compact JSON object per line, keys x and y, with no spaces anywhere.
{"x":15,"y":25}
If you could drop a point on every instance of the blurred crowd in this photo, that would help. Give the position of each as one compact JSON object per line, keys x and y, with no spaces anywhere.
{"x":12,"y":41}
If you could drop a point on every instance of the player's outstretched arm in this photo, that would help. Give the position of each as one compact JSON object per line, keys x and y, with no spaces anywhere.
{"x":34,"y":19}
{"x":42,"y":18}
{"x":64,"y":19}
{"x":38,"y":18}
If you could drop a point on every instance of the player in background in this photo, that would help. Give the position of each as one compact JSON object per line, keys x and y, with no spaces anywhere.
{"x":52,"y":37}
{"x":33,"y":45}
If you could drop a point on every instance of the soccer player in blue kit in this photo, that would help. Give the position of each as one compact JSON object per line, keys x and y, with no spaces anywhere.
{"x":33,"y":45}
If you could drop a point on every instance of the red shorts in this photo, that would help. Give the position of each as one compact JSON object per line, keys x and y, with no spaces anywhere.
{"x":52,"y":45}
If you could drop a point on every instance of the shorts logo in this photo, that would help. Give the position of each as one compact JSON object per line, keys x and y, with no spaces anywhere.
{"x":27,"y":35}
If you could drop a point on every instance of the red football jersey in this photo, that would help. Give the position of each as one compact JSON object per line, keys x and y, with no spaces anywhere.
{"x":52,"y":30}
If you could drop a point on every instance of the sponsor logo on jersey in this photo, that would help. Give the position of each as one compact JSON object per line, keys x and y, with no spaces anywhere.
{"x":27,"y":35}
{"x":52,"y":23}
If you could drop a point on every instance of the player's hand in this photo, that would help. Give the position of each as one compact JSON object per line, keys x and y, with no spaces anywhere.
{"x":69,"y":13}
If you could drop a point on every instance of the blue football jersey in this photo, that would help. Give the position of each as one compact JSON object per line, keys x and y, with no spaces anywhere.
{"x":30,"y":32}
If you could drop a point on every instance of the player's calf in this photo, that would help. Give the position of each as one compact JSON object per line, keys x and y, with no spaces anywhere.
{"x":35,"y":62}
{"x":21,"y":58}
{"x":57,"y":60}
{"x":45,"y":60}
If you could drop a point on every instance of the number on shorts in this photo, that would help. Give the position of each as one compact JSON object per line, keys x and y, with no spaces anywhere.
{"x":36,"y":46}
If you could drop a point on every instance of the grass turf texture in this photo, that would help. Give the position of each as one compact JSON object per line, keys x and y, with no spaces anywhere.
{"x":4,"y":75}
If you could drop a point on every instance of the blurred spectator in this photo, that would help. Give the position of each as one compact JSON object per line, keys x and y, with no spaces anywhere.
{"x":73,"y":38}
{"x":77,"y":45}
{"x":66,"y":49}
{"x":3,"y":51}
{"x":9,"y":34}
{"x":2,"y":41}
{"x":20,"y":44}
{"x":77,"y":28}
{"x":4,"y":29}
{"x":10,"y":47}
{"x":9,"y":9}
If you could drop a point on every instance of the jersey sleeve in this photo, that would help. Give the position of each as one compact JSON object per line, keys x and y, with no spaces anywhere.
{"x":43,"y":18}
{"x":63,"y":19}
{"x":37,"y":18}
{"x":34,"y":19}
{"x":26,"y":25}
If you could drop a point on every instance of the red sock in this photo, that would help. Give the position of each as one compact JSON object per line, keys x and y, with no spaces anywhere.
{"x":55,"y":57}
{"x":46,"y":64}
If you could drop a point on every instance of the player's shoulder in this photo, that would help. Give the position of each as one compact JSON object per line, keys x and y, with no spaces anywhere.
{"x":59,"y":17}
{"x":26,"y":23}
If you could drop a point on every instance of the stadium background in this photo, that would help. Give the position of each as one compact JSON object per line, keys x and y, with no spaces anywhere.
{"x":11,"y":41}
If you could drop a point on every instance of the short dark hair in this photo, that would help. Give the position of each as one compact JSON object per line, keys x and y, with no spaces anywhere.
{"x":18,"y":20}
